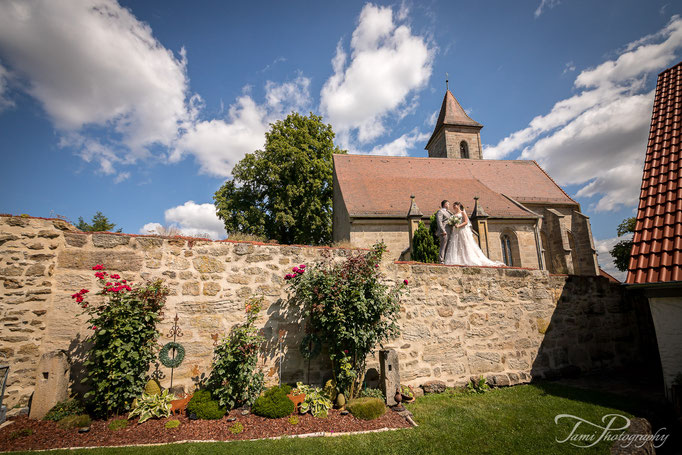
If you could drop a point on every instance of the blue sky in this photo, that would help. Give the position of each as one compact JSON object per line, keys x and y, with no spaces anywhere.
{"x":140,"y":109}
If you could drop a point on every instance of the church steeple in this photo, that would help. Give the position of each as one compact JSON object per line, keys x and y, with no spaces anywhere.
{"x":456,"y":135}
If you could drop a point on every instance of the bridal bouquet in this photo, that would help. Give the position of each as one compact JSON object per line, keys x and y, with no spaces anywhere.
{"x":454,"y":220}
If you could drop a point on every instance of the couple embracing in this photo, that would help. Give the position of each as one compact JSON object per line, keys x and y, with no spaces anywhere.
{"x":457,"y":243}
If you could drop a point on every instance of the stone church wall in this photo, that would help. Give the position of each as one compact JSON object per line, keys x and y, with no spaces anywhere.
{"x":524,"y":249}
{"x":508,"y":324}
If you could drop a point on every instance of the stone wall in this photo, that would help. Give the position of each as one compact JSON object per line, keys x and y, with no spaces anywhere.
{"x":510,"y":324}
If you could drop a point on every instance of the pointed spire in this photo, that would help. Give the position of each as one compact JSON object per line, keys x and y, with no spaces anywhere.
{"x":478,"y":211}
{"x":414,"y":210}
{"x":451,"y":113}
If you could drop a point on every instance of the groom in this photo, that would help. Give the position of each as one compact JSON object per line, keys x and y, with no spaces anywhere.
{"x":442,"y":217}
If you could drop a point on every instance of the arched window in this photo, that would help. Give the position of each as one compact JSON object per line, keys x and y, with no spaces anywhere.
{"x":506,"y":250}
{"x":464,"y":149}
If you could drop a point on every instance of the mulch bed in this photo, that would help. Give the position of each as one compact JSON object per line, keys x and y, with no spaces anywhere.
{"x":46,"y":434}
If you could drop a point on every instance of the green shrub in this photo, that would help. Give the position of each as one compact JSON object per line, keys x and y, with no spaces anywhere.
{"x":316,"y":402}
{"x":425,"y":246}
{"x":293,"y":420}
{"x":172,"y":424}
{"x":78,"y":421}
{"x":153,"y":406}
{"x":372,"y":393}
{"x":64,"y":409}
{"x":118,"y":424}
{"x":274,"y":403}
{"x":234,"y":379}
{"x":204,"y":407}
{"x":152,"y":387}
{"x":236,"y":428}
{"x":16,"y":434}
{"x":124,"y":335}
{"x":479,"y":386}
{"x":366,"y":408}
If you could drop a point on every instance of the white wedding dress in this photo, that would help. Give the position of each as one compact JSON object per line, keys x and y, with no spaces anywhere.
{"x":463,"y":249}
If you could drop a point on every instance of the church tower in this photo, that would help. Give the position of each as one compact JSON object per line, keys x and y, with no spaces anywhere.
{"x":456,"y":135}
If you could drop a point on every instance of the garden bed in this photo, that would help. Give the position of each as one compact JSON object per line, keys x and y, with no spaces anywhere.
{"x":46,"y":434}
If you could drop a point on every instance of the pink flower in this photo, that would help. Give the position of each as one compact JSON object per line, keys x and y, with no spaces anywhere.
{"x":109,"y":283}
{"x":405,"y":282}
{"x":100,"y":275}
{"x":123,"y":281}
{"x":288,"y":276}
{"x":94,"y":327}
{"x":84,"y":291}
{"x":376,"y":266}
{"x":98,"y":267}
{"x":302,"y":266}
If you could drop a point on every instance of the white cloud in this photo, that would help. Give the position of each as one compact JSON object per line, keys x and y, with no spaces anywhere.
{"x":606,"y":260}
{"x":597,"y":138}
{"x":545,"y":4}
{"x":402,"y":145}
{"x":5,"y":102}
{"x":569,"y":68}
{"x":190,"y":219}
{"x":219,"y":144}
{"x":92,"y":63}
{"x":387,"y":63}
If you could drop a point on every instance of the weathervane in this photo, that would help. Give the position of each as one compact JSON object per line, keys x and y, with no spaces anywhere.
{"x":447,"y":85}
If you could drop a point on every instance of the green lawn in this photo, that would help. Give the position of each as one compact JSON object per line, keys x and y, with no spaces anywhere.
{"x":514,"y":420}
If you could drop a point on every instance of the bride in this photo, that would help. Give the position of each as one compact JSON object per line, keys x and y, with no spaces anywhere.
{"x":462,"y":248}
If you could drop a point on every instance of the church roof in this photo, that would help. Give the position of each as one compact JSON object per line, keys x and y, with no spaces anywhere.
{"x":451,"y":113}
{"x":657,"y":244}
{"x":381,"y":186}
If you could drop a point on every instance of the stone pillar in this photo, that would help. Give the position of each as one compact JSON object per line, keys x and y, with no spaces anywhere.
{"x":390,"y":374}
{"x":414,"y":216}
{"x":52,"y":383}
{"x":479,"y":223}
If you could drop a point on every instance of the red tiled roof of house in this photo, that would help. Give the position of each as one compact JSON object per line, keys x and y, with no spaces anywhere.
{"x":381,"y":186}
{"x":657,"y":244}
{"x":451,"y":113}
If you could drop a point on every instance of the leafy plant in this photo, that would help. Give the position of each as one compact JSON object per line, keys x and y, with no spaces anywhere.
{"x":74,"y":421}
{"x":478,"y":386}
{"x":347,"y":305}
{"x":621,"y":250}
{"x":123,"y":341}
{"x":274,"y":403}
{"x":234,"y":380}
{"x":372,"y":393}
{"x":367,"y":408}
{"x":315,"y":402}
{"x":204,"y":406}
{"x":284,"y":191}
{"x":293,"y":420}
{"x":99,"y":223}
{"x":153,"y":406}
{"x":16,"y":434}
{"x":236,"y":428}
{"x":172,"y":424}
{"x":425,"y":247}
{"x":406,"y":391}
{"x":118,"y":424}
{"x":64,"y":409}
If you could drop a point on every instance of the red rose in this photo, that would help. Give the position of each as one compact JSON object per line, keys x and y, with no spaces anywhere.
{"x":115,"y":276}
{"x":405,"y":281}
{"x":98,"y":267}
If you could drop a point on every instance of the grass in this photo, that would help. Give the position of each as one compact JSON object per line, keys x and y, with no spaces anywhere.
{"x":514,"y":420}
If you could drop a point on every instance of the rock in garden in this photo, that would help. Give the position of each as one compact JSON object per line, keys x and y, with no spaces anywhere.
{"x":434,"y":387}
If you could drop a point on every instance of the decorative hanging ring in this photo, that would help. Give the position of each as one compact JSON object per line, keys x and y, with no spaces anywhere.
{"x":179,"y":355}
{"x":311,"y":345}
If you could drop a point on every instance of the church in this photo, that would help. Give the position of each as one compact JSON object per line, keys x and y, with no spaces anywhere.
{"x":520,"y":216}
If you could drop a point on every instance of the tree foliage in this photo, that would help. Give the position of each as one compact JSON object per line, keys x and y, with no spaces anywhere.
{"x":425,"y":245}
{"x":284,"y":192}
{"x":99,"y":223}
{"x":621,"y":250}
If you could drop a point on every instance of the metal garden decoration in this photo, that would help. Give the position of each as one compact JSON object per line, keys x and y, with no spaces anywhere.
{"x":175,"y":349}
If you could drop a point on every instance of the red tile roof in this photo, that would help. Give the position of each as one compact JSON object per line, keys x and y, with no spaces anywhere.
{"x":657,"y":244}
{"x":380,"y":186}
{"x":451,"y":113}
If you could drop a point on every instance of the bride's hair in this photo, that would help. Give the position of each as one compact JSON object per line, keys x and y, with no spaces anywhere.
{"x":461,"y":207}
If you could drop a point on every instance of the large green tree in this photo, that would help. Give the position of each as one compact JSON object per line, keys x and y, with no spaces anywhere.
{"x":99,"y":223}
{"x":621,"y":250}
{"x":284,"y":192}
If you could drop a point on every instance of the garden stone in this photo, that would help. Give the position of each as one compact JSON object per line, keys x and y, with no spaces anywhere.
{"x":434,"y":387}
{"x":52,"y":382}
{"x":3,"y":413}
{"x":390,"y":374}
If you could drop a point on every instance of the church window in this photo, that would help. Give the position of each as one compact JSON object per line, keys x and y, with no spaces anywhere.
{"x":464,"y":149}
{"x":506,"y":250}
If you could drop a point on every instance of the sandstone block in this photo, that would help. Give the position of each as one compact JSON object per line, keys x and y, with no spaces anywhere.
{"x":208,"y":264}
{"x":52,"y":383}
{"x":211,"y":288}
{"x":109,"y":240}
{"x":147,"y":243}
{"x":190,"y":288}
{"x":258,"y":258}
{"x":113,"y":260}
{"x":243,"y":248}
{"x":12,"y":270}
{"x":77,"y":240}
{"x":17,"y":221}
{"x":445,"y":312}
{"x":389,"y":368}
{"x":47,"y":234}
{"x":434,"y":387}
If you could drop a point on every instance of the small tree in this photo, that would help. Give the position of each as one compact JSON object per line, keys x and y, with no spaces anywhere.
{"x":99,"y":223}
{"x":621,"y":250}
{"x":234,"y":380}
{"x":123,"y":341}
{"x":425,"y":248}
{"x":347,"y":305}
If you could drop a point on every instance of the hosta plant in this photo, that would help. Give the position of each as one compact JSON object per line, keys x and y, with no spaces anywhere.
{"x":315,"y":400}
{"x":153,"y":406}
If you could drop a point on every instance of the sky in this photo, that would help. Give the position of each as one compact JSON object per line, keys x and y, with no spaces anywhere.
{"x":141,"y":109}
